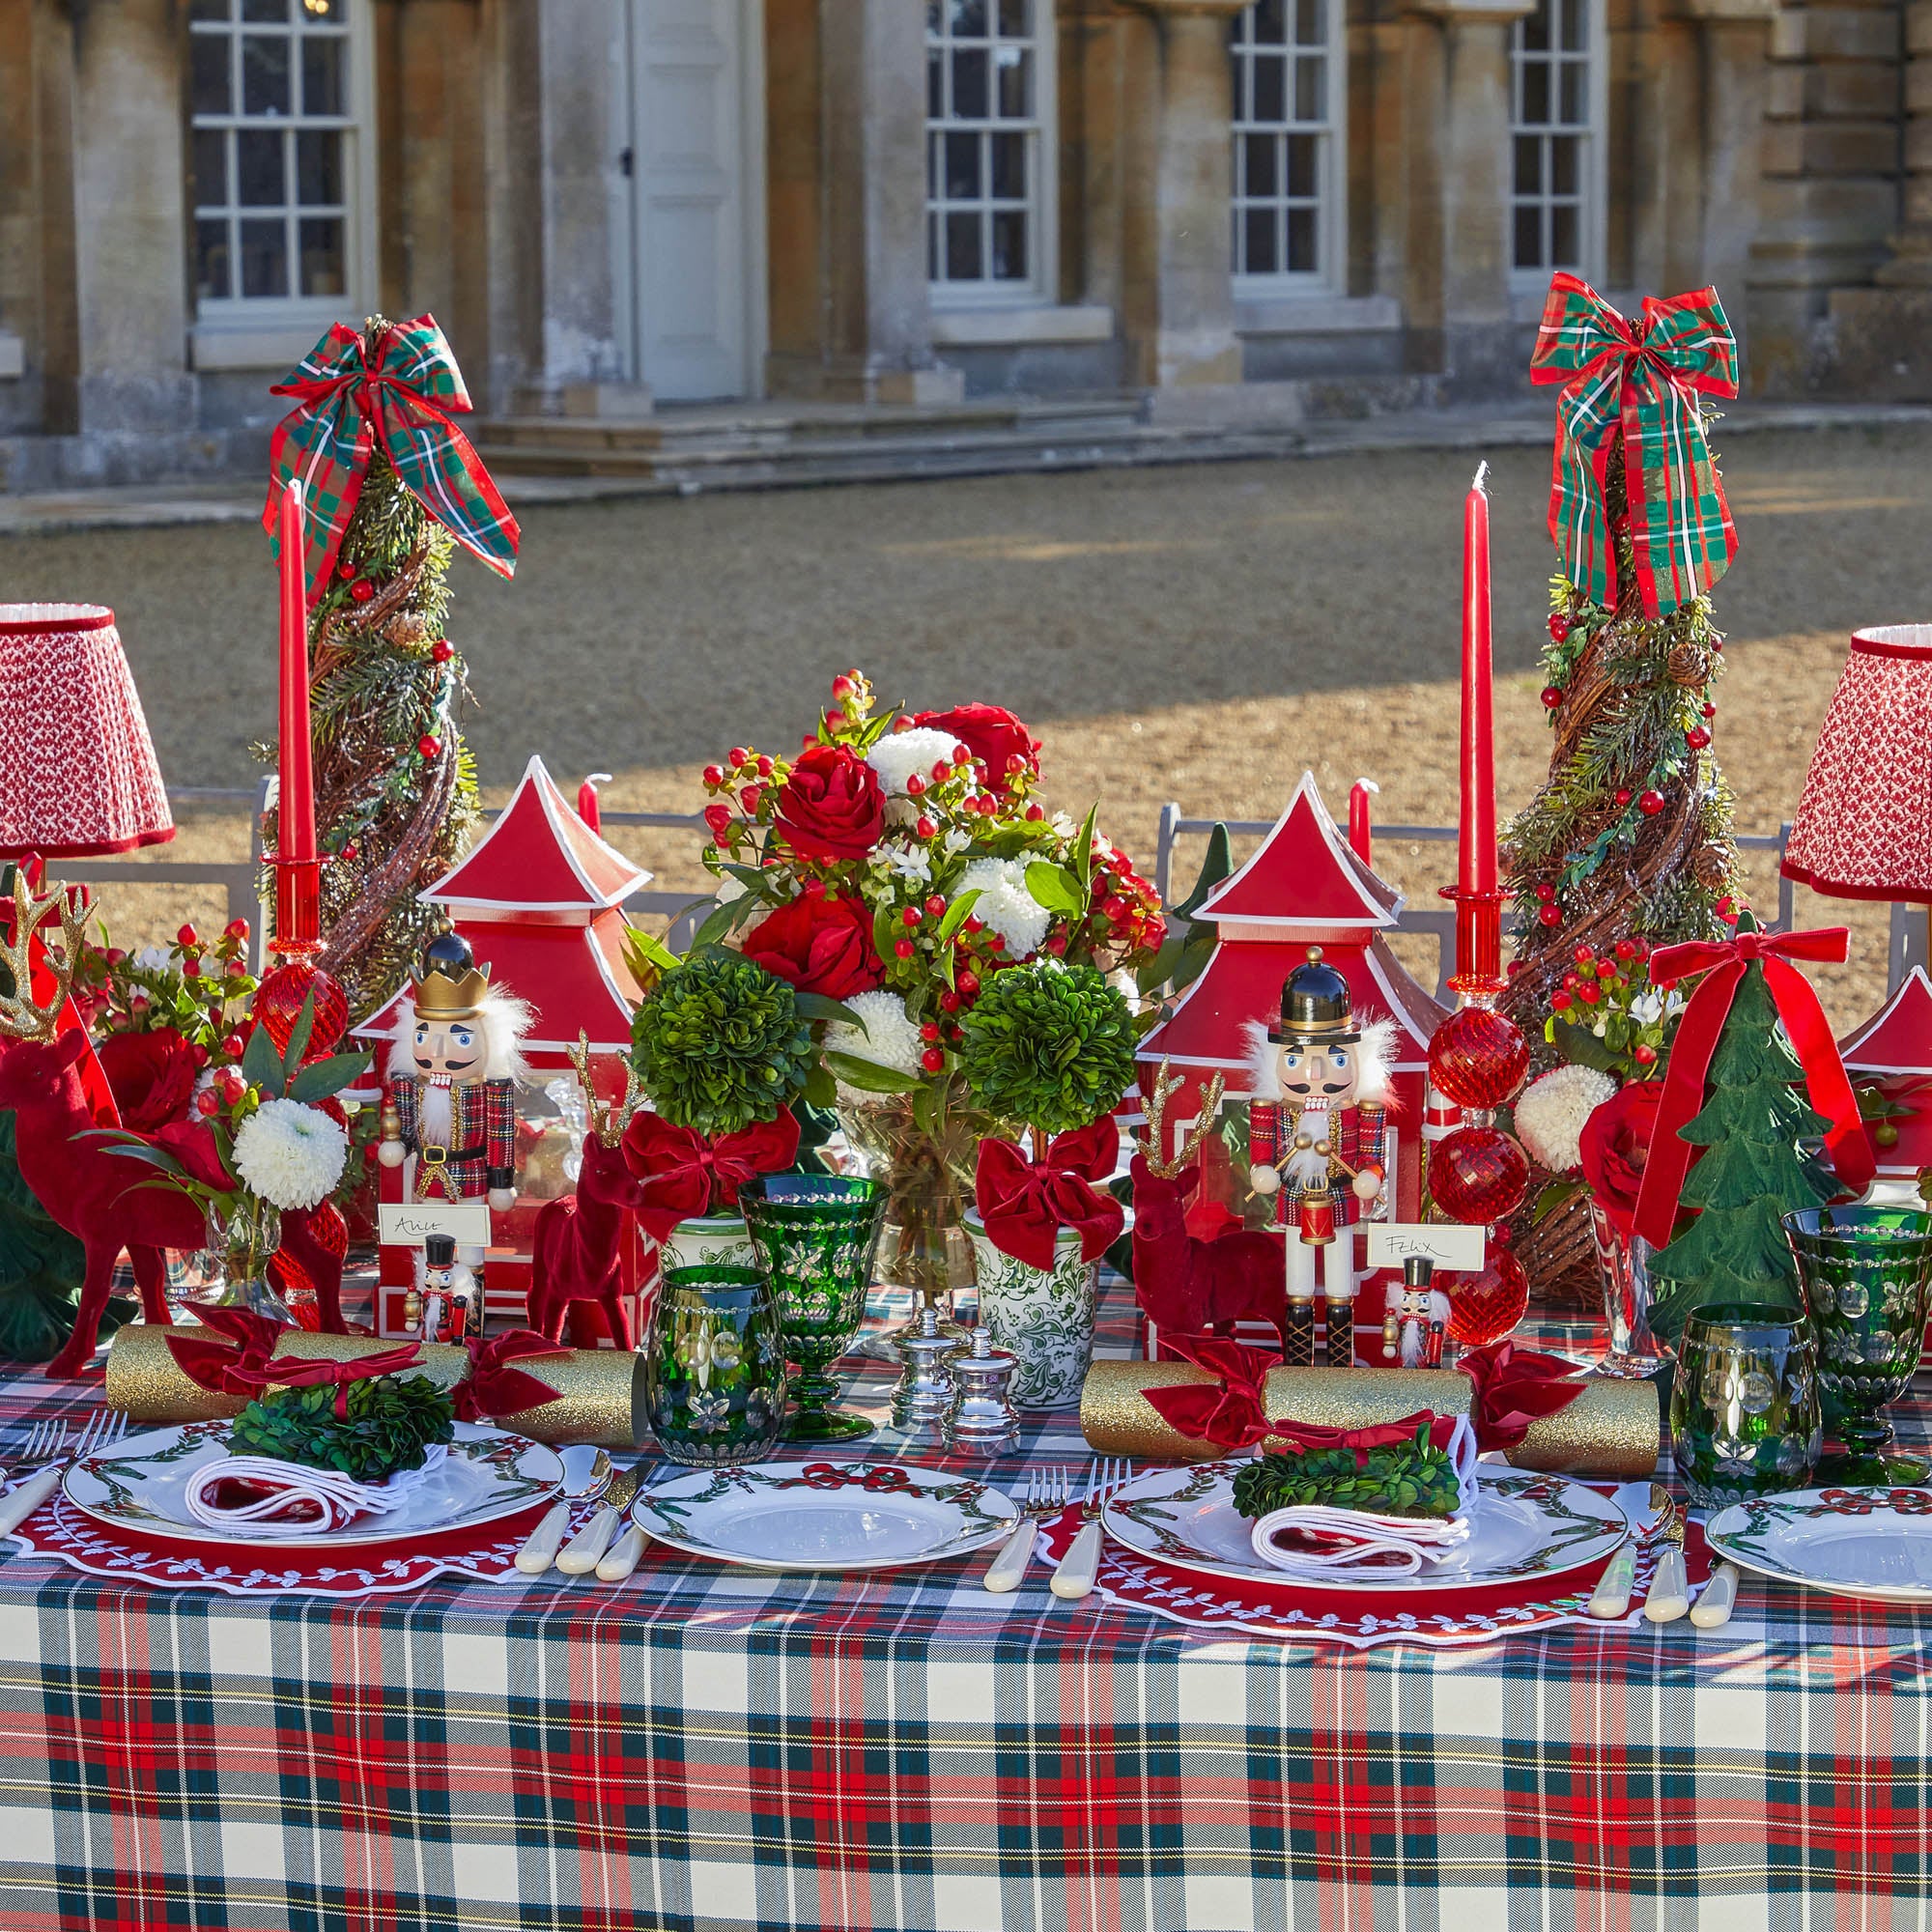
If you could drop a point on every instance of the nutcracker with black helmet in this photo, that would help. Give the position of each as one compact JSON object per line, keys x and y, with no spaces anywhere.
{"x":1317,"y":1144}
{"x":451,"y":1106}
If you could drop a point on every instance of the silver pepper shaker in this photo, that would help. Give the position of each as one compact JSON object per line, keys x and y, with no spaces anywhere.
{"x":925,"y":1391}
{"x":983,"y":1421}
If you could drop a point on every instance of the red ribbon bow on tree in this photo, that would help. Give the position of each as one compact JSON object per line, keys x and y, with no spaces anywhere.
{"x":1025,"y":1203}
{"x":494,"y":1385}
{"x":1724,"y":962}
{"x":401,"y":388}
{"x":685,"y":1175}
{"x":1512,"y":1387}
{"x":245,"y":1364}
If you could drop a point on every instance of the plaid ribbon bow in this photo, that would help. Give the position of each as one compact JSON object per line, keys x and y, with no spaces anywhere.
{"x":1644,"y":379}
{"x":403,"y":385}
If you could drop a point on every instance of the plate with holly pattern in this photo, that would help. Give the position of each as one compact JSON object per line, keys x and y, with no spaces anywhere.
{"x":1850,"y":1542}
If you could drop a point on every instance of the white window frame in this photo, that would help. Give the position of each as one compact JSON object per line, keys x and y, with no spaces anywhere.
{"x":1328,"y":276}
{"x":1592,"y":210}
{"x":246,"y":330}
{"x":1042,"y":176}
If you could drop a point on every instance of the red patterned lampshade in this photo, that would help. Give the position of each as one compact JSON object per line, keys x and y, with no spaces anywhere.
{"x":1863,"y":829}
{"x":77,"y":770}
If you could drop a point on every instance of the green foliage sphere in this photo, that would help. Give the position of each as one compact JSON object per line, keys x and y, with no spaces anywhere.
{"x":719,"y":1043}
{"x":1049,"y":1044}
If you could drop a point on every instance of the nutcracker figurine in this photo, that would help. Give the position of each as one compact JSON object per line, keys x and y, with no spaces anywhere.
{"x":1315,"y":1119}
{"x":453,"y":1073}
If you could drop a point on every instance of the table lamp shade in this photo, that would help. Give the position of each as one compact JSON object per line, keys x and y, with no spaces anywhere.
{"x":1863,"y":829}
{"x":77,"y":770}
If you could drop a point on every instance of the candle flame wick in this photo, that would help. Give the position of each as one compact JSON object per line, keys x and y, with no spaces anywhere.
{"x":1482,"y":477}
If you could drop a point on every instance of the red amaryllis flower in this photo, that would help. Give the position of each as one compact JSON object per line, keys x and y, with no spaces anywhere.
{"x":192,"y":1142}
{"x":820,"y":943}
{"x":831,"y":805}
{"x":152,"y":1075}
{"x":993,"y":735}
{"x":1614,"y":1145}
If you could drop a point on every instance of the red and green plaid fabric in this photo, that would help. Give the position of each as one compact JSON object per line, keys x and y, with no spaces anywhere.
{"x":706,"y":1749}
{"x":402,"y":388}
{"x":1643,"y":378}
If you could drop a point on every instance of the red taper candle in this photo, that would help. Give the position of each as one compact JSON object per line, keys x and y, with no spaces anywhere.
{"x":296,"y":810}
{"x":1477,"y":870}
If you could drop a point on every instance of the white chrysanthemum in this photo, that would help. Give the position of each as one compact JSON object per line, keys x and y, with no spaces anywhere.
{"x":890,"y":1038}
{"x":290,"y":1155}
{"x":1550,"y":1113}
{"x":900,"y":754}
{"x":1005,"y":905}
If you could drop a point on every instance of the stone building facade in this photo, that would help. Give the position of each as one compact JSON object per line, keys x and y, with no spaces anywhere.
{"x":1221,"y":203}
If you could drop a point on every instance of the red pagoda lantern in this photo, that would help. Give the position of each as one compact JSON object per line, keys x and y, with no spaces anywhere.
{"x":1894,"y":1049}
{"x":539,"y":899}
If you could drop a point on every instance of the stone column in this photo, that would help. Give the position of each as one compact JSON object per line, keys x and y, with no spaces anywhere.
{"x":130,"y":236}
{"x":1736,"y":41}
{"x":1464,"y":276}
{"x":1178,"y":287}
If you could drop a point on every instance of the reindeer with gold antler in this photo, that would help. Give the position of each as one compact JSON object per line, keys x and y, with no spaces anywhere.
{"x":1189,"y":1285}
{"x":578,"y":1250}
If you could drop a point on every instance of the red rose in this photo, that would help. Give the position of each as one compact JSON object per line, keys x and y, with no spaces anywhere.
{"x":1616,"y":1144}
{"x":832,"y":805}
{"x":152,"y":1075}
{"x":820,"y":945}
{"x":192,"y":1143}
{"x":993,"y":735}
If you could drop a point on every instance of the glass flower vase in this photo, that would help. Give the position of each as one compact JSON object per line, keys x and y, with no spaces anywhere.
{"x":235,"y":1264}
{"x":1624,"y":1263}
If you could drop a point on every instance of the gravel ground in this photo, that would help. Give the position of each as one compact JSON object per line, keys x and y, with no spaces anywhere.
{"x":1199,"y":634}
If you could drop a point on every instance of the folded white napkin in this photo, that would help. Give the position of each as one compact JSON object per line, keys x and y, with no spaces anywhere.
{"x":1315,"y":1541}
{"x":304,"y":1502}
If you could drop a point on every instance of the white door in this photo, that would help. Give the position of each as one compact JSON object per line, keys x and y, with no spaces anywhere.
{"x":688,"y":224}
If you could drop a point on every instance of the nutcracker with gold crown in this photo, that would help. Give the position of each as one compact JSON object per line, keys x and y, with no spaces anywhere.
{"x":451,"y":1107}
{"x":1317,"y":1145}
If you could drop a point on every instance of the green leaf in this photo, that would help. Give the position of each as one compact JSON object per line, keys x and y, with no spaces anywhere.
{"x":869,"y":1078}
{"x":1083,"y":855}
{"x":298,"y":1039}
{"x":1216,"y":866}
{"x":649,"y":947}
{"x":718,"y":923}
{"x":329,"y":1076}
{"x":883,"y":932}
{"x":1158,"y":970}
{"x":820,"y":1088}
{"x":1056,"y":889}
{"x":261,"y":1063}
{"x":817,"y":1007}
{"x":957,"y":914}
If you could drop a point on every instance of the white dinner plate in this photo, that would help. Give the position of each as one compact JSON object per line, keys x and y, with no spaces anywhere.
{"x":1850,"y":1542}
{"x":777,"y":1516}
{"x":1527,"y":1526}
{"x":138,"y":1484}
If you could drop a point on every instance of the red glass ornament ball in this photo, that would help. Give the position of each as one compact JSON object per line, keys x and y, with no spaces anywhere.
{"x":1478,"y":1175}
{"x":1478,"y":1057}
{"x":1651,"y":804}
{"x":1698,"y":737}
{"x":1559,"y":627}
{"x":442,"y":650}
{"x":278,"y":1006}
{"x":361,"y":590}
{"x":1550,"y":915}
{"x":1486,"y":1306}
{"x":429,"y":745}
{"x":1552,"y":696}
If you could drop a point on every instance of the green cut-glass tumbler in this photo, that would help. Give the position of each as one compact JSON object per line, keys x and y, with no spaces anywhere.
{"x":714,"y":1367}
{"x":1744,"y":1405}
{"x":1868,"y":1275}
{"x":816,"y":1236}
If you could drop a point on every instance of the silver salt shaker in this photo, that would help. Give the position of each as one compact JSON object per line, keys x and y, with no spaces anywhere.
{"x":925,"y":1391}
{"x":983,"y":1421}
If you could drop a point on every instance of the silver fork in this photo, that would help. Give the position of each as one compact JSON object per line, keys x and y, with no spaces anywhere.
{"x":1046,"y":1494}
{"x":48,"y":1456}
{"x":1081,"y":1562}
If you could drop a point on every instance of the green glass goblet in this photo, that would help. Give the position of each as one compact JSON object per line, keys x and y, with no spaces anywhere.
{"x":1866,"y":1274}
{"x":816,"y":1236}
{"x":1744,"y":1405}
{"x":714,"y":1367}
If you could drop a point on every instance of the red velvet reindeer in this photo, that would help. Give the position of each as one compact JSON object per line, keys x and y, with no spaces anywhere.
{"x":1189,"y":1285}
{"x":578,"y":1240}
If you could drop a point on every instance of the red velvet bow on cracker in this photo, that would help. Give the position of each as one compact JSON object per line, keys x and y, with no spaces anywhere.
{"x":1026,"y":1203}
{"x":1512,"y":1387}
{"x":686,"y":1174}
{"x":1724,"y":962}
{"x":1230,"y":1414}
{"x":495,"y":1386}
{"x":245,"y":1364}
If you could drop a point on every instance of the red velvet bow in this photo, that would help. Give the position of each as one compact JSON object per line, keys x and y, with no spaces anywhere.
{"x":1723,"y":963}
{"x":492,"y":1387}
{"x":1025,"y":1203}
{"x":685,"y":1175}
{"x":884,"y":1482}
{"x":247,"y":1367}
{"x":1302,"y":1436}
{"x":1228,"y":1413}
{"x":1512,"y":1387}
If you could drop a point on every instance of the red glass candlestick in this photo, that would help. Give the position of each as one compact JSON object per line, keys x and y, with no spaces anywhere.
{"x":1485,"y":1307}
{"x":297,"y":976}
{"x":1478,"y":1176}
{"x":1478,"y":1057}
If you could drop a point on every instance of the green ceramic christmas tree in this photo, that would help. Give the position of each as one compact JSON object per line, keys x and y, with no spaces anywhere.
{"x":1751,"y":1174}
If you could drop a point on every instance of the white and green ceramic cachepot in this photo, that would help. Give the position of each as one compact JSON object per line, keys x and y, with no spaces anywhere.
{"x":1044,"y":1316}
{"x":709,"y":1240}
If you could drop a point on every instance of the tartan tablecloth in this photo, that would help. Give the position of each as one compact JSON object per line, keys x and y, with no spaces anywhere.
{"x":709,"y":1747}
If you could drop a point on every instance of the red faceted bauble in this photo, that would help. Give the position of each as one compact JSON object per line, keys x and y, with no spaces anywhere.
{"x":1478,"y":1057}
{"x":1478,"y":1175}
{"x":1486,"y":1306}
{"x":279,"y":999}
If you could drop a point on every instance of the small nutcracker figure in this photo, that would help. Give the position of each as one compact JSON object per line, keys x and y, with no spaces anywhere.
{"x":442,"y":1307}
{"x":1416,"y":1321}
{"x":453,"y":1073}
{"x":1316,"y":1144}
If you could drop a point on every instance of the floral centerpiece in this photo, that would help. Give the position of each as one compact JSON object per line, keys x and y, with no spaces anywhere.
{"x":897,"y":863}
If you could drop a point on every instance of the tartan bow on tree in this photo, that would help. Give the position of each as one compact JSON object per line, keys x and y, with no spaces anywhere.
{"x":1642,"y":380}
{"x":397,"y":382}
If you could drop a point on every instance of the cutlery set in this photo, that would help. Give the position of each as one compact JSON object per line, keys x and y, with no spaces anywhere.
{"x":606,"y":1544}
